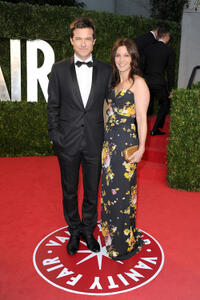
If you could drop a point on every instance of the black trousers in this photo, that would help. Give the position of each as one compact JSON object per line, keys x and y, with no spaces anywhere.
{"x":160,"y":92}
{"x":69,"y":168}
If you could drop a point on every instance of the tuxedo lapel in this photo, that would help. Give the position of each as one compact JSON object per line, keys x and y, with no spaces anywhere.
{"x":92,"y":91}
{"x":75,"y":86}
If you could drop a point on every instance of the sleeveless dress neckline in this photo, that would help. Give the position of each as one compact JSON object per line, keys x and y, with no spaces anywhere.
{"x":122,"y":90}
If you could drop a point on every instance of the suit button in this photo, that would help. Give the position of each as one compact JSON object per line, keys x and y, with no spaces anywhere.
{"x":82,"y":125}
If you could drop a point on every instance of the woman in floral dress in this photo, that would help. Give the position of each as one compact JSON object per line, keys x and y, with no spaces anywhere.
{"x":126,"y":126}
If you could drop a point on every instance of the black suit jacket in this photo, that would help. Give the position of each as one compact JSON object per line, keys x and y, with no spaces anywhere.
{"x":159,"y":58}
{"x":68,"y":120}
{"x":144,"y":40}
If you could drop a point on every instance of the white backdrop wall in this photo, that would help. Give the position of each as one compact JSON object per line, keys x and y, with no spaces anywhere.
{"x":190,"y":44}
{"x":124,"y":7}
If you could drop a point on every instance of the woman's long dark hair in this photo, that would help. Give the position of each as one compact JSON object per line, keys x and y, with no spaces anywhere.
{"x":132,"y":50}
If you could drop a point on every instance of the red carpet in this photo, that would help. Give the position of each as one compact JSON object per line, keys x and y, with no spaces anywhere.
{"x":31,"y":208}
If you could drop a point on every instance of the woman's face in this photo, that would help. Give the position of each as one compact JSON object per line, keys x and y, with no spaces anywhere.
{"x":122,"y":59}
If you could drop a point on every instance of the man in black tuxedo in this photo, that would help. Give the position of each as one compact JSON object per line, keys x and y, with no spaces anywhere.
{"x":145,"y":40}
{"x":160,"y":58}
{"x":77,"y":89}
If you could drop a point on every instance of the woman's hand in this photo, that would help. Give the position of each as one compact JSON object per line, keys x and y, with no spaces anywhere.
{"x":136,"y":156}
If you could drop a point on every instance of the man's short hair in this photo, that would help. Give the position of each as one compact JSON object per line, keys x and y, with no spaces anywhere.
{"x":82,"y":22}
{"x":163,"y":30}
{"x":160,"y":24}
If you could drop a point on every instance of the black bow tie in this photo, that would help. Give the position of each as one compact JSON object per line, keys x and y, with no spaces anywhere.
{"x":80,"y":63}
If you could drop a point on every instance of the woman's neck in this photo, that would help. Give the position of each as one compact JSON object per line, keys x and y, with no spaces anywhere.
{"x":123,"y":76}
{"x":125,"y":82}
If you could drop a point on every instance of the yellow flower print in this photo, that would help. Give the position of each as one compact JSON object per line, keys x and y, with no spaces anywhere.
{"x":131,"y":110}
{"x":105,"y":208}
{"x":103,"y":193}
{"x":126,"y":211}
{"x":104,"y":228}
{"x":112,"y":120}
{"x":113,"y":147}
{"x":128,"y":175}
{"x":105,"y":153}
{"x":123,"y":91}
{"x":106,"y":233}
{"x":130,"y":168}
{"x":131,"y":241}
{"x":127,"y":110}
{"x":113,"y":117}
{"x":126,"y":231}
{"x":107,"y":128}
{"x":129,"y":249}
{"x":113,"y":229}
{"x":133,"y":196}
{"x":112,"y":252}
{"x":109,"y":176}
{"x":133,"y":127}
{"x":133,"y":135}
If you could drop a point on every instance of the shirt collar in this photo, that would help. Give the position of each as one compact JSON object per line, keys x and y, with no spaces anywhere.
{"x":76,"y":58}
{"x":153,"y":34}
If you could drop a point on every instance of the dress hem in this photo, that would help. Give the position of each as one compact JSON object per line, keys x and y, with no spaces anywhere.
{"x":137,"y":248}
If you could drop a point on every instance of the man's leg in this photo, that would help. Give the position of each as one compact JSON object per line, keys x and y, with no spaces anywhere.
{"x":69,"y":167}
{"x":151,"y":102}
{"x":162,"y":96}
{"x":91,"y":166}
{"x":165,"y":109}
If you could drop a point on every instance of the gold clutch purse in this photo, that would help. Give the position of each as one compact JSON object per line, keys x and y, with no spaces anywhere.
{"x":129,"y":151}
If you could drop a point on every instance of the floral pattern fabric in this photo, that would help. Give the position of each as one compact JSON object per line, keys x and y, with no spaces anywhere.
{"x":119,"y":188}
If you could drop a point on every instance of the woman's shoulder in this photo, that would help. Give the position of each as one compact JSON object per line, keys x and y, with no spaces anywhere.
{"x":138,"y":83}
{"x":139,"y":86}
{"x":138,"y":79}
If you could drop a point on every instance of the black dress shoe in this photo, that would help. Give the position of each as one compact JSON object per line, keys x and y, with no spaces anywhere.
{"x":73,"y":244}
{"x":157,"y":132}
{"x":92,"y":244}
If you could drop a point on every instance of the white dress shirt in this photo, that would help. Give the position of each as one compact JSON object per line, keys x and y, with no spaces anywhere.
{"x":84,"y":77}
{"x":153,"y":34}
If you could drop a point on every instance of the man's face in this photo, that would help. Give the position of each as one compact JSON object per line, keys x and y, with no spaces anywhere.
{"x":167,"y":37}
{"x":83,"y":42}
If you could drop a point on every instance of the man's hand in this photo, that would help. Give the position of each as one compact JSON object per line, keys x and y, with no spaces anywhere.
{"x":170,"y":95}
